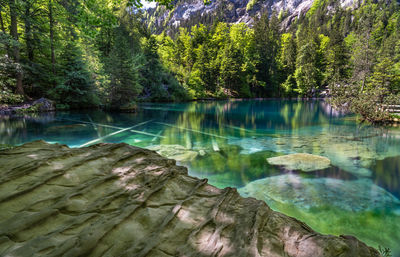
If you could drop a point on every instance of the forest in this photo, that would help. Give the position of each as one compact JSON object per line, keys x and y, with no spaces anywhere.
{"x":100,"y":53}
{"x":131,"y":131}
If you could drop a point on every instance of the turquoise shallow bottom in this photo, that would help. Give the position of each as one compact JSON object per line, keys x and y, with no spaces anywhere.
{"x":357,"y":194}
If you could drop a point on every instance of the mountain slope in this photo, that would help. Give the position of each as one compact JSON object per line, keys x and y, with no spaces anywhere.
{"x":191,"y":12}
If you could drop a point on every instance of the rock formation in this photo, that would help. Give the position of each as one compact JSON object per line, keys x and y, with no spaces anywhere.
{"x":119,"y":200}
{"x":301,"y":161}
{"x":352,"y":152}
{"x":187,"y":13}
{"x":40,"y":105}
{"x":305,"y":193}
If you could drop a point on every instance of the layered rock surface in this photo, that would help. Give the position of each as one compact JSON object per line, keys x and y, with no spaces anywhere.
{"x":119,"y":200}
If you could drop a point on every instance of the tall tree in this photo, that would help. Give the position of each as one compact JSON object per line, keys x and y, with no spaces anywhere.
{"x":51,"y":32}
{"x":336,"y":53}
{"x":363,"y":52}
{"x":287,"y":63}
{"x":16,"y":47}
{"x":122,"y":65}
{"x":308,"y":71}
{"x":266,"y":36}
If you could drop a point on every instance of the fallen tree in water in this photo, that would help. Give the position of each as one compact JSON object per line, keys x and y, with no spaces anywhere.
{"x":119,"y":200}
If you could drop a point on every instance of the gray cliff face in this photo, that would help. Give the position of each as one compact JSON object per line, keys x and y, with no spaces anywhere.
{"x":119,"y":200}
{"x":191,"y":12}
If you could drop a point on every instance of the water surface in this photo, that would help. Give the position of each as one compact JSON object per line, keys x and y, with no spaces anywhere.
{"x":231,"y":141}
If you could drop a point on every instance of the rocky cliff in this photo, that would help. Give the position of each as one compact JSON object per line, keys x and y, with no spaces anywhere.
{"x":191,"y":12}
{"x":119,"y":200}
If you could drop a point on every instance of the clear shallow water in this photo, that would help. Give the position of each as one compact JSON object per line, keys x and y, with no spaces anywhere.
{"x":230,"y":142}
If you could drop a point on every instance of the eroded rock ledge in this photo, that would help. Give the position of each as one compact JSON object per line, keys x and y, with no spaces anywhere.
{"x":119,"y":200}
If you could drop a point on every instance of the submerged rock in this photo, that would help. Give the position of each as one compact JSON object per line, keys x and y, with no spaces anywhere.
{"x":119,"y":200}
{"x":71,"y":128}
{"x":305,"y":193}
{"x":354,"y":153}
{"x":176,"y":152}
{"x":301,"y":161}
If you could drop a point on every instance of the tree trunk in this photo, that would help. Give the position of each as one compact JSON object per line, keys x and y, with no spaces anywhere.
{"x":15,"y":50}
{"x":28,"y":31}
{"x":51,"y":19}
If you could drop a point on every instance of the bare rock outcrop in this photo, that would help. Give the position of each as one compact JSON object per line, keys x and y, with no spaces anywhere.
{"x":187,"y":13}
{"x":119,"y":200}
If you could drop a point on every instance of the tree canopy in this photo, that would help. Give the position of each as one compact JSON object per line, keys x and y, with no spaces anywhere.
{"x":100,"y":52}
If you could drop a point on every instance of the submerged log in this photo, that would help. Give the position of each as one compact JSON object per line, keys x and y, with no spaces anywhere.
{"x":115,"y":133}
{"x":120,"y":200}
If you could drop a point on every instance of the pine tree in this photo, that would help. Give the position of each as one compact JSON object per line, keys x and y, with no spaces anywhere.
{"x":123,"y":69}
{"x":287,"y":63}
{"x":308,"y":72}
{"x":76,"y":87}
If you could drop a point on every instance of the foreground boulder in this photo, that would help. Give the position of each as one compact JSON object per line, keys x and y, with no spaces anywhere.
{"x":119,"y":200}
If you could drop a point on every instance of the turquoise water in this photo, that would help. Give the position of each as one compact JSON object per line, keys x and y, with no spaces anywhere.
{"x":229,"y":143}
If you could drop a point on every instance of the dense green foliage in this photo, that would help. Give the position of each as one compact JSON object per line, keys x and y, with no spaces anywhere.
{"x":319,"y":51}
{"x":80,"y":54}
{"x":67,"y":51}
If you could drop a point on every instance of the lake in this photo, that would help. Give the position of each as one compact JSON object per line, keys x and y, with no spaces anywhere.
{"x":229,"y":143}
